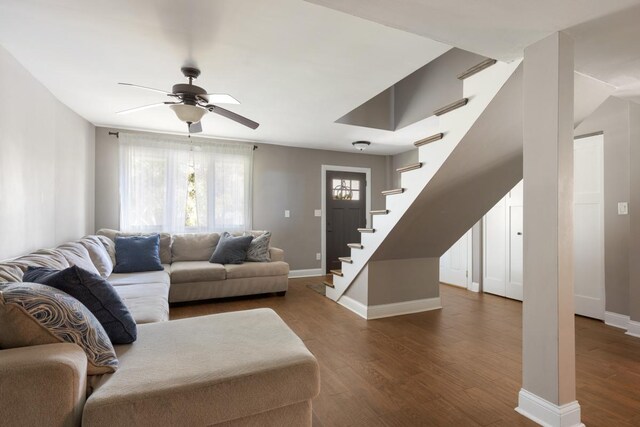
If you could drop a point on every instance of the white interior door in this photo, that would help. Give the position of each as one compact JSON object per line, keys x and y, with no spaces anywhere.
{"x":455,"y":263}
{"x":494,"y":248}
{"x":514,"y":243}
{"x":588,"y":226}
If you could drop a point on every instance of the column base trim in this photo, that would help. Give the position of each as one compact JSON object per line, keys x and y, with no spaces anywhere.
{"x":389,"y":310}
{"x":633,"y":328}
{"x":546,"y":413}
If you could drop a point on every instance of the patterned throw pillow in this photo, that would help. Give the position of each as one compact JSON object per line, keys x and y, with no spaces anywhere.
{"x":34,"y":314}
{"x":259,"y":248}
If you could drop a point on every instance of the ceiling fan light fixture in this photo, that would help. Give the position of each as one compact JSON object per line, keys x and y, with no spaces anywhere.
{"x":188,"y":113}
{"x":361,"y":145}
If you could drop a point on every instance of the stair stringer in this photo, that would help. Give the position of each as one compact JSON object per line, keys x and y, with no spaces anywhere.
{"x":480,"y":89}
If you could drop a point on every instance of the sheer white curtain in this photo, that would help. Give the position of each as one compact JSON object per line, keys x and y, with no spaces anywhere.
{"x":178,"y":185}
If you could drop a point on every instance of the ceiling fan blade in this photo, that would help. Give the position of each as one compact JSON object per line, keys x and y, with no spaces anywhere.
{"x":144,"y":107}
{"x":233,"y":116}
{"x":147,"y":88}
{"x":195,"y":127}
{"x":222,"y":98}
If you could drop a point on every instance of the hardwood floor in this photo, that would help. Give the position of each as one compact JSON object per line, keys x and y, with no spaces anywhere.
{"x":459,"y":366}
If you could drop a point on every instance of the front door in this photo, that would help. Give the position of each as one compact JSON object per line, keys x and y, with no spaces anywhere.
{"x":346,"y":212}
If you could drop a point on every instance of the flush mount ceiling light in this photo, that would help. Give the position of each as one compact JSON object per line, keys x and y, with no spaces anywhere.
{"x":361,"y":145}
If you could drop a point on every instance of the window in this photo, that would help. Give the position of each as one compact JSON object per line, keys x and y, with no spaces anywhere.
{"x":346,"y":189}
{"x":169,"y":184}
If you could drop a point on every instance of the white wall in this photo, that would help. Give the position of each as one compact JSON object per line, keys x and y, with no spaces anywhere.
{"x":46,"y":165}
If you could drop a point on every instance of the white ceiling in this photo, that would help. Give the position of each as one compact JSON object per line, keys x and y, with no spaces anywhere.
{"x":606,"y":33}
{"x":296,"y":67}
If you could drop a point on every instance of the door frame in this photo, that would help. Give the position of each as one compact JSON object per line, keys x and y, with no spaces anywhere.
{"x":323,"y":203}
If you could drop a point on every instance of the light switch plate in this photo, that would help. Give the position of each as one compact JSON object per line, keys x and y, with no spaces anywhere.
{"x":287,"y":214}
{"x":317,"y":212}
{"x":318,"y":256}
{"x":623,"y":208}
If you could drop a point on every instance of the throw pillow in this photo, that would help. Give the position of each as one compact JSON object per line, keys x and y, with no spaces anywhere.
{"x":95,"y":293}
{"x":231,"y":250}
{"x":35,"y":314}
{"x":138,"y":253}
{"x":259,"y":248}
{"x":98,"y":254}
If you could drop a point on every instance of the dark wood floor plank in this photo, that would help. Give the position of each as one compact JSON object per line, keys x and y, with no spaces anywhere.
{"x":459,"y":366}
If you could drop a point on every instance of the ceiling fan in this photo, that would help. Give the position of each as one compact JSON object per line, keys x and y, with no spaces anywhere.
{"x":191,"y":102}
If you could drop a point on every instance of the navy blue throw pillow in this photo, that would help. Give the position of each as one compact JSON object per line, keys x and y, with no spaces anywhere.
{"x":138,"y":253}
{"x":95,"y":293}
{"x":231,"y":250}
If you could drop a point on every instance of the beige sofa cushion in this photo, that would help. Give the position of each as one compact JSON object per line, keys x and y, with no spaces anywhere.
{"x":110,"y":246}
{"x":119,"y":279}
{"x":77,"y":255}
{"x":165,"y":241}
{"x":193,"y":247}
{"x":213,"y":369}
{"x":98,"y":254}
{"x":196,"y":271}
{"x":256,"y":269}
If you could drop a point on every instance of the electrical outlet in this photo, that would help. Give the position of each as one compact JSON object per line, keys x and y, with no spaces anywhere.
{"x":287,"y":214}
{"x":623,"y":208}
{"x":318,"y":256}
{"x":317,"y":212}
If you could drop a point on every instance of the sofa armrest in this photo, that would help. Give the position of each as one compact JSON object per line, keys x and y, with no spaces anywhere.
{"x":43,"y":385}
{"x":276,"y":254}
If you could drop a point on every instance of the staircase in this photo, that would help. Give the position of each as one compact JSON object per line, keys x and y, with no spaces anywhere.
{"x":399,"y":230}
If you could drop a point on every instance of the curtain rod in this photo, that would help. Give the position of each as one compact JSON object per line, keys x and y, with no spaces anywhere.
{"x":117,"y":135}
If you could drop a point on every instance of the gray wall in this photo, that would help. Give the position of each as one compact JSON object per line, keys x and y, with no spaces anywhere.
{"x":46,"y":165}
{"x":612,"y":117}
{"x":400,"y":160}
{"x":634,"y":235}
{"x":284,"y":178}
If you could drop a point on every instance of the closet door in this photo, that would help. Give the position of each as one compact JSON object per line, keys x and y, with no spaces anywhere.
{"x":455,"y":263}
{"x":588,"y":226}
{"x":494,"y":249}
{"x":514,"y":243}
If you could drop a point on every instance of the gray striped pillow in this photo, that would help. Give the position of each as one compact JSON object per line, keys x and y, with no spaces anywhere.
{"x":259,"y":248}
{"x":35,"y":314}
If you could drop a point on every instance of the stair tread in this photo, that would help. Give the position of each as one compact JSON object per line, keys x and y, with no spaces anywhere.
{"x":429,"y":139}
{"x":345,"y":259}
{"x":366,"y":230}
{"x":355,"y":245}
{"x":392,"y":192}
{"x":328,"y":283}
{"x":477,"y":68}
{"x":337,"y":272}
{"x":379,"y":212}
{"x":450,"y":107}
{"x":410,"y":167}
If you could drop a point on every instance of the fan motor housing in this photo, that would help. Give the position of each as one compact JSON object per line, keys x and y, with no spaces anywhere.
{"x":188,"y":91}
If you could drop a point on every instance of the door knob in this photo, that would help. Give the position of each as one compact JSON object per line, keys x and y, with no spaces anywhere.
{"x":519,"y":233}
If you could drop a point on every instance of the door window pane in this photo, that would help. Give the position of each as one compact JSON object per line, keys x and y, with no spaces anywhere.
{"x":345,"y":189}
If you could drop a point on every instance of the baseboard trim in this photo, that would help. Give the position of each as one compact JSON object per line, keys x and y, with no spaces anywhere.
{"x":616,"y":320}
{"x":311,"y":272}
{"x":356,"y":306}
{"x":475,"y":287}
{"x":389,"y":310}
{"x":546,"y":413}
{"x":633,"y":328}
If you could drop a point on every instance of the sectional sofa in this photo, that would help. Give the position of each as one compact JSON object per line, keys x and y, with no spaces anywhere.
{"x":232,"y":369}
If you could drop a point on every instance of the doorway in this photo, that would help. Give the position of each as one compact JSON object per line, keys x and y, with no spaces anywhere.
{"x":345,"y":208}
{"x":503,"y":239}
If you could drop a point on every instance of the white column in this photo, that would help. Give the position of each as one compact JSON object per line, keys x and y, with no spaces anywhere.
{"x":548,"y":357}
